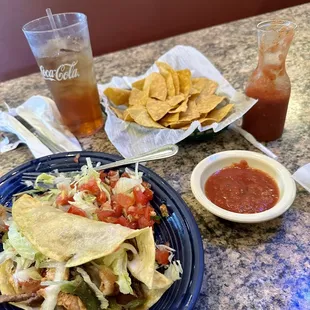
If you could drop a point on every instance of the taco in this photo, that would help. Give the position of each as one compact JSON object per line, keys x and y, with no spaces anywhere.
{"x":53,"y":259}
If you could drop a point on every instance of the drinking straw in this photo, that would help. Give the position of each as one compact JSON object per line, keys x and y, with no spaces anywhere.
{"x":52,"y":21}
{"x":53,"y":24}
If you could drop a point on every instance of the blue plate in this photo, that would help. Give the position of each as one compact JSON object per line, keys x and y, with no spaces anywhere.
{"x":180,"y":229}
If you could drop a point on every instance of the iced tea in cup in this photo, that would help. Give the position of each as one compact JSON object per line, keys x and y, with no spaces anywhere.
{"x":65,"y":59}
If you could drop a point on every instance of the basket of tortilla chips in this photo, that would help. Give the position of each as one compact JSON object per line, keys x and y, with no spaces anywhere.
{"x":170,"y":98}
{"x":180,"y":94}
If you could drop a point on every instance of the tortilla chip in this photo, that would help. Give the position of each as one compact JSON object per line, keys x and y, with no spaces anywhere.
{"x":164,"y":66}
{"x":216,"y":115}
{"x":127,"y":117}
{"x":138,"y":84}
{"x":117,"y":95}
{"x":156,"y":87}
{"x":206,"y":103}
{"x":191,"y":113}
{"x":169,"y":82}
{"x":142,"y":117}
{"x":138,"y":97}
{"x":157,"y":109}
{"x":119,"y":113}
{"x":181,"y":108}
{"x":185,"y":81}
{"x":170,"y":119}
{"x":173,"y":101}
{"x":202,"y":83}
{"x":180,"y":125}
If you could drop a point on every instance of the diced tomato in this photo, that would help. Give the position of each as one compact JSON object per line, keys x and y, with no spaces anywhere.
{"x":123,"y":221}
{"x":147,"y":212}
{"x":91,"y":186}
{"x":103,"y":214}
{"x":123,"y":200}
{"x":133,"y":225}
{"x":125,"y":175}
{"x":102,"y":176}
{"x":72,"y":185}
{"x":113,"y":177}
{"x":139,"y":196}
{"x":111,"y":219}
{"x":135,"y":210}
{"x":118,"y":209}
{"x":162,"y":256}
{"x":148,"y":194}
{"x":77,"y":211}
{"x":101,"y":198}
{"x":143,"y":222}
{"x":63,"y":199}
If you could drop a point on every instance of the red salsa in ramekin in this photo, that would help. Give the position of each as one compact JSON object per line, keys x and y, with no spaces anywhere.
{"x":242,"y":189}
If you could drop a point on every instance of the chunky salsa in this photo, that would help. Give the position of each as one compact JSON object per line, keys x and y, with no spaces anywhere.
{"x":242,"y":189}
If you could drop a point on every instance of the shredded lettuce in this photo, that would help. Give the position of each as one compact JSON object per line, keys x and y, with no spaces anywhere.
{"x":87,"y":171}
{"x":126,"y":185}
{"x":22,"y":246}
{"x":49,"y":196}
{"x":117,"y":261}
{"x":26,"y":274}
{"x":79,"y":288}
{"x":104,"y":303}
{"x":84,"y":201}
{"x":103,"y":188}
{"x":52,"y":291}
{"x":174,"y":271}
{"x":22,"y":263}
{"x":39,"y":258}
{"x":4,"y":256}
{"x":48,"y":263}
{"x":45,"y":179}
{"x":134,"y":174}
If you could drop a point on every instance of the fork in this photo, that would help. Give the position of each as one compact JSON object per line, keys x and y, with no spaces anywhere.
{"x":159,"y":153}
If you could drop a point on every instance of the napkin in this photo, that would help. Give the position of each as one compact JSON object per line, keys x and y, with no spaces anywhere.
{"x":131,"y":139}
{"x":302,"y":176}
{"x":42,"y":113}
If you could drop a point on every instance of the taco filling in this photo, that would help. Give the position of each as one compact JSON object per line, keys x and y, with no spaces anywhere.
{"x":55,"y":259}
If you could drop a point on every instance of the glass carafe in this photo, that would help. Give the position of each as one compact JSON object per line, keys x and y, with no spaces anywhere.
{"x":269,"y":83}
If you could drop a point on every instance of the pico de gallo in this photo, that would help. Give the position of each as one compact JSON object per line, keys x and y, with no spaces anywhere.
{"x":111,"y":197}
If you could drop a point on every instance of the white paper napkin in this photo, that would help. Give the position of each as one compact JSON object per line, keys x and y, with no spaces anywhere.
{"x":131,"y":139}
{"x":302,"y":176}
{"x":41,"y":112}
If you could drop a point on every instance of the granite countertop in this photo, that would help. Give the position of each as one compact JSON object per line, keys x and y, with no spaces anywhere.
{"x":260,"y":266}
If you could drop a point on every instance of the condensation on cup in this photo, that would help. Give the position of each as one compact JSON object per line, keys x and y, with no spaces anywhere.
{"x":65,"y":60}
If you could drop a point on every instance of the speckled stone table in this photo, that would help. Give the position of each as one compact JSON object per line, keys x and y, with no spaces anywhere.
{"x":263,"y":266}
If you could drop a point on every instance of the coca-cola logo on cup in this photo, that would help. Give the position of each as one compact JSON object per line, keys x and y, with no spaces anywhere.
{"x":62,"y":73}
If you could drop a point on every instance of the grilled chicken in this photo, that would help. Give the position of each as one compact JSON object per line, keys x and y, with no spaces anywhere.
{"x":70,"y":302}
{"x":104,"y":278}
{"x":50,"y":274}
